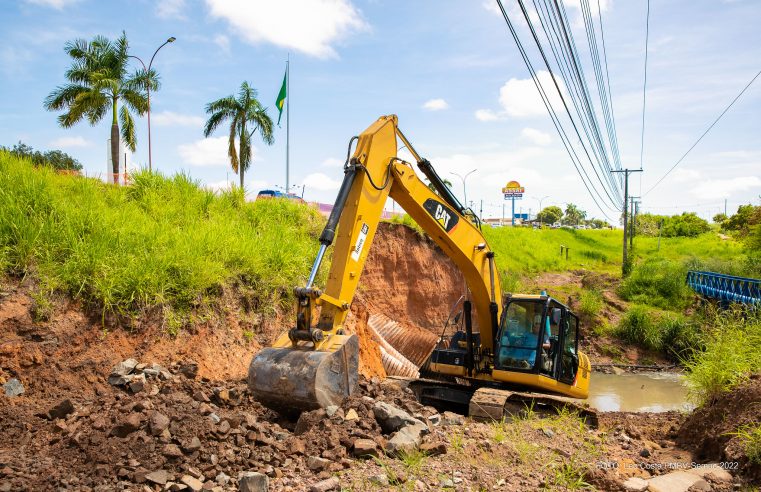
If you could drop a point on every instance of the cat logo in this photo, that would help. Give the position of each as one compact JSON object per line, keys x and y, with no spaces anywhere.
{"x":445,"y":216}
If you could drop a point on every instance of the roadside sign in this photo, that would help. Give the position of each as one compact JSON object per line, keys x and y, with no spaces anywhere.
{"x":513,"y":190}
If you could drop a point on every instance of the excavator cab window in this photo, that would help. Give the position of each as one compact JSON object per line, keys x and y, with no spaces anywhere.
{"x":524,"y":333}
{"x":569,"y":358}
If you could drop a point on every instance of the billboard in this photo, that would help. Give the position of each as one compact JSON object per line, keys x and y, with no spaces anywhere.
{"x":513,"y":190}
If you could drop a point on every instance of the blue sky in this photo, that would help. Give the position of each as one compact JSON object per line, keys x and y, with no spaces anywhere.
{"x":448,"y":68}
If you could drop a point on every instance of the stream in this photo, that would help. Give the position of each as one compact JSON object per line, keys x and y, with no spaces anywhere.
{"x":640,"y":392}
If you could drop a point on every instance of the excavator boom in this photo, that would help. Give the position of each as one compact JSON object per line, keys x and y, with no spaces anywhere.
{"x":312,"y":366}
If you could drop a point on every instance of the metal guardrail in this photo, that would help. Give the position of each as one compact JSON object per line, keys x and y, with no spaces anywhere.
{"x":725,"y":288}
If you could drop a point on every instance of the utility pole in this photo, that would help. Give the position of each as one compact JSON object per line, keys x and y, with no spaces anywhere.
{"x":624,"y":210}
{"x":725,"y":207}
{"x":481,"y":212}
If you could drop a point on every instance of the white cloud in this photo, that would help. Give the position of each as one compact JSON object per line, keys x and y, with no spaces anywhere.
{"x":56,"y":4}
{"x":170,"y":118}
{"x":535,"y":136}
{"x":66,"y":142}
{"x":519,"y":98}
{"x":486,"y":115}
{"x":726,"y":188}
{"x":223,"y":42}
{"x":207,"y":152}
{"x":492,"y":7}
{"x":435,"y":105}
{"x":332,"y":162}
{"x":309,"y":26}
{"x":321,"y":182}
{"x":169,"y":9}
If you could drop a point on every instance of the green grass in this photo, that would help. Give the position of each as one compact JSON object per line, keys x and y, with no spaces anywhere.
{"x":657,"y":282}
{"x":732,"y":352}
{"x":750,"y":439}
{"x":638,"y":326}
{"x":526,"y":251}
{"x":590,"y":302}
{"x":161,"y":241}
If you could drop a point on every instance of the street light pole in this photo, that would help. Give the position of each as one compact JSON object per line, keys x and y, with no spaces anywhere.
{"x":463,"y":178}
{"x":148,"y":88}
{"x":540,"y":200}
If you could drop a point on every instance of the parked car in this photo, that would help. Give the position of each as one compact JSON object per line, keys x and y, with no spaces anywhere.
{"x":267,"y":194}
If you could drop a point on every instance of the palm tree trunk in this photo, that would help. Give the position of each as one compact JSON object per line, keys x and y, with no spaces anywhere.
{"x":241,"y":176}
{"x":115,"y":147}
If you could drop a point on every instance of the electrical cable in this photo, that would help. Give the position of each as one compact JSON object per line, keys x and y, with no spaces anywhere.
{"x":704,"y":133}
{"x":553,"y":116}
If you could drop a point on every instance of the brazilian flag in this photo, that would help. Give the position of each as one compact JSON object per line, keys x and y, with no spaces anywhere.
{"x":280,"y":102}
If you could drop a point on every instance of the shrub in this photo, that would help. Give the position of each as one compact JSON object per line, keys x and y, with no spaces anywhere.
{"x":638,"y":327}
{"x":680,"y":337}
{"x":657,"y":282}
{"x":732,"y":352}
{"x":590,"y":302}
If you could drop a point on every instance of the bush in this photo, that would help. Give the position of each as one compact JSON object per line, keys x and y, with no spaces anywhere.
{"x":590,"y":302}
{"x":657,"y":282}
{"x":638,"y":327}
{"x":680,"y":337}
{"x":688,"y":224}
{"x":732,"y":352}
{"x":53,"y":158}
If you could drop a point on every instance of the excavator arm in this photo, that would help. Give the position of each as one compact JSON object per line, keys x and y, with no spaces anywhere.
{"x":315,"y":366}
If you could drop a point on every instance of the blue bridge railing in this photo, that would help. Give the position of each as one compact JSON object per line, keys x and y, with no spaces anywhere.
{"x":725,"y":288}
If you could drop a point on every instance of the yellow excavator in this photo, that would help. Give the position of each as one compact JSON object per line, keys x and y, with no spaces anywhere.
{"x":511,"y":350}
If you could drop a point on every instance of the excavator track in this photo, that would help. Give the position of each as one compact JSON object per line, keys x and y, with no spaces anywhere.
{"x":487,"y":403}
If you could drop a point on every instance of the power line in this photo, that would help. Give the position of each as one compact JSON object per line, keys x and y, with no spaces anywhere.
{"x":560,"y":93}
{"x":553,"y":116}
{"x":644,"y":87}
{"x":704,"y":133}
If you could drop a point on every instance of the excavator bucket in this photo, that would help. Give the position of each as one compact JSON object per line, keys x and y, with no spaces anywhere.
{"x":298,"y":378}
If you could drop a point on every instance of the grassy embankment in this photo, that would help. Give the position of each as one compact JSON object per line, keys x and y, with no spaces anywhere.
{"x":162,"y":242}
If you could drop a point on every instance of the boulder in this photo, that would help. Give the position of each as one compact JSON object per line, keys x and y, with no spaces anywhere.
{"x":192,"y":483}
{"x":253,"y":482}
{"x":331,"y":483}
{"x":61,"y":410}
{"x":317,"y":464}
{"x":159,"y":477}
{"x":157,"y":422}
{"x":124,"y":367}
{"x":365,"y":447}
{"x":13,"y":387}
{"x":635,"y":484}
{"x":392,"y":418}
{"x":407,"y":439}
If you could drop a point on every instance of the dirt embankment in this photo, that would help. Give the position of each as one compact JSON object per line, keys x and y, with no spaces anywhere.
{"x":712,"y":429}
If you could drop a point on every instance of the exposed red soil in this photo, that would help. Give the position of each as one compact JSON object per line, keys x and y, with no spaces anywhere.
{"x":709,"y":430}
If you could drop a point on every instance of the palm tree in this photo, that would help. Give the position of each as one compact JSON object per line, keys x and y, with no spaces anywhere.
{"x":98,"y":78}
{"x":245,"y":112}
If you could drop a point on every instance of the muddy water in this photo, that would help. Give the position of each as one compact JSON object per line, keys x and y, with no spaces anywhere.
{"x":644,"y":392}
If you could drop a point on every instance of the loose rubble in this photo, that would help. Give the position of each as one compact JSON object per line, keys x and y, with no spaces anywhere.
{"x":180,"y":432}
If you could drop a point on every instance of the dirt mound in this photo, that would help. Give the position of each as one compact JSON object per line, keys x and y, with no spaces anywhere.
{"x":710,"y":428}
{"x":181,"y":426}
{"x":409,"y":279}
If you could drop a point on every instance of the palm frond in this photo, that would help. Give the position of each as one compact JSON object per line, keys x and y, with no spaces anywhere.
{"x":136,"y":100}
{"x":226,"y":104}
{"x":128,"y":128}
{"x":231,"y":145}
{"x":63,"y":96}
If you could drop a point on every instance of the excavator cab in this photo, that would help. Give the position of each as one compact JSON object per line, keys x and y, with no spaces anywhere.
{"x":538,"y":336}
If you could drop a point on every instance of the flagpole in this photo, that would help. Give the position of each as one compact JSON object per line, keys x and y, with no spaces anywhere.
{"x":287,"y":122}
